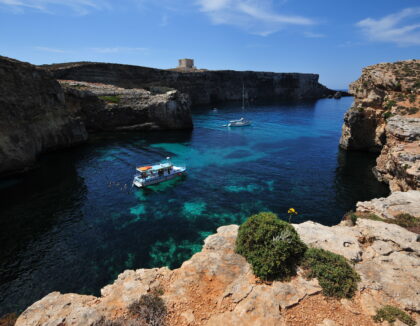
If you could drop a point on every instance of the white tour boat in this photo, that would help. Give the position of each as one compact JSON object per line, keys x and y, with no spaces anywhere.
{"x":152,"y":174}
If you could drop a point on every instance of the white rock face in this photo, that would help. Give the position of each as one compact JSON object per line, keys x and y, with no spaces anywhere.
{"x":396,"y":203}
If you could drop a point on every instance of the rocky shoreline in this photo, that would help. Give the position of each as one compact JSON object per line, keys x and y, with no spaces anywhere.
{"x":217,"y":287}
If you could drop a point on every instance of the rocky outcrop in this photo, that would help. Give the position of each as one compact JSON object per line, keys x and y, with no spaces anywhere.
{"x":203,"y":87}
{"x":106,"y":107}
{"x":217,"y":286}
{"x":385,"y":118}
{"x":393,"y":205}
{"x":33,"y":116}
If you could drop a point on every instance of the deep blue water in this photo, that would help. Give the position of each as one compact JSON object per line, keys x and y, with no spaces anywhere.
{"x":74,"y":223}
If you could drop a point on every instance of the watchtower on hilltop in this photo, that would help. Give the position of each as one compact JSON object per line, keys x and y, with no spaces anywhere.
{"x":186,"y":64}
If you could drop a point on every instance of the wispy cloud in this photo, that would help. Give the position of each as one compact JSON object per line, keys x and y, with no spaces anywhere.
{"x":255,"y":16}
{"x":399,"y":28}
{"x":314,"y":35}
{"x":81,"y":7}
{"x":48,"y":49}
{"x":119,"y":49}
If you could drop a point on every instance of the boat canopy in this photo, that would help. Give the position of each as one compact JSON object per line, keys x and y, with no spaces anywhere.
{"x":143,"y":168}
{"x":156,"y":167}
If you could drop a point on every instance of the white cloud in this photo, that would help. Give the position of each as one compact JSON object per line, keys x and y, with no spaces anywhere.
{"x":397,"y":28}
{"x":80,"y":7}
{"x":255,"y":16}
{"x":47,"y":49}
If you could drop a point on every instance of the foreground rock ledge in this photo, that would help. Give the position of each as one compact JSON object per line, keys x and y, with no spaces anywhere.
{"x":217,"y":286}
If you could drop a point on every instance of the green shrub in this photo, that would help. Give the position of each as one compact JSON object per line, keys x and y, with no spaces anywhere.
{"x":334,"y":273}
{"x":350,"y":216}
{"x":270,"y":245}
{"x":360,"y":109}
{"x":390,"y":104}
{"x":411,"y":98}
{"x":387,"y":115}
{"x":391,"y":314}
{"x":413,"y":110}
{"x":110,"y":98}
{"x":150,"y":309}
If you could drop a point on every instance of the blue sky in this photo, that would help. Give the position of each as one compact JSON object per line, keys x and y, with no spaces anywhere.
{"x":333,"y":38}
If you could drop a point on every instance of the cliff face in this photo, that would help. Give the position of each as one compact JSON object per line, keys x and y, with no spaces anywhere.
{"x":385,"y":118}
{"x":37,"y":114}
{"x":217,"y":286}
{"x":107,"y":107}
{"x":203,"y":87}
{"x":33,"y":115}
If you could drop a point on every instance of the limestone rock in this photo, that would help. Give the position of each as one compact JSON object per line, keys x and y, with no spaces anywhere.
{"x":106,"y":107}
{"x":338,"y":239}
{"x":396,"y":203}
{"x":217,"y":286}
{"x":385,"y":118}
{"x":203,"y":87}
{"x":33,"y":116}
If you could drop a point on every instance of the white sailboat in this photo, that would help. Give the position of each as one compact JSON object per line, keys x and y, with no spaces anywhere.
{"x":242,"y":122}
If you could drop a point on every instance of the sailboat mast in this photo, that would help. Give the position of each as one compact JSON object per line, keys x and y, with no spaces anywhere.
{"x":243,"y":97}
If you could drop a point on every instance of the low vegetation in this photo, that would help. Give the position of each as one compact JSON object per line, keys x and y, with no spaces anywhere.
{"x":334,"y":273}
{"x":271,"y":246}
{"x":149,"y":309}
{"x":392,"y":314}
{"x":111,"y":98}
{"x":387,"y":115}
{"x":405,"y":220}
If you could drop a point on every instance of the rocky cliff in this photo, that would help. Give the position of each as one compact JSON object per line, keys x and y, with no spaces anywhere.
{"x":38,"y":114}
{"x":107,"y":107}
{"x":33,"y":116}
{"x":203,"y":87}
{"x":385,"y":118}
{"x":217,"y":286}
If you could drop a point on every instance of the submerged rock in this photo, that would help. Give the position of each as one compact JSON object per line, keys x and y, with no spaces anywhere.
{"x":33,"y":116}
{"x":217,"y":286}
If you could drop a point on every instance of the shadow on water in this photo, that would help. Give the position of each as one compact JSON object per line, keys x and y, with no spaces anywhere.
{"x":354,"y":179}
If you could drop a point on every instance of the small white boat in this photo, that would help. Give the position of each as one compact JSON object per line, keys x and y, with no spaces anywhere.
{"x":239,"y":123}
{"x":242,"y":122}
{"x":152,"y":174}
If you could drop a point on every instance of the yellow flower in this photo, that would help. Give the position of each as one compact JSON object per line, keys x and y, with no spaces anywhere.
{"x":291,"y":211}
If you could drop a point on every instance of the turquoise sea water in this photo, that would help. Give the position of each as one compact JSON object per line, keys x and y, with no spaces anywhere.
{"x":75,"y":223}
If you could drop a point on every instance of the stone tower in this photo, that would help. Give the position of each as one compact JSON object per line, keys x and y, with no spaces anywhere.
{"x":186,"y":63}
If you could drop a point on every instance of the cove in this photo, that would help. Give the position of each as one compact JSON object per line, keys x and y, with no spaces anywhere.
{"x":74,"y":223}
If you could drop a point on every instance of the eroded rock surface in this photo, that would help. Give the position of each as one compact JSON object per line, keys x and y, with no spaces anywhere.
{"x":106,"y":107}
{"x":33,"y":116}
{"x":385,"y":118}
{"x":396,"y":203}
{"x":217,"y":286}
